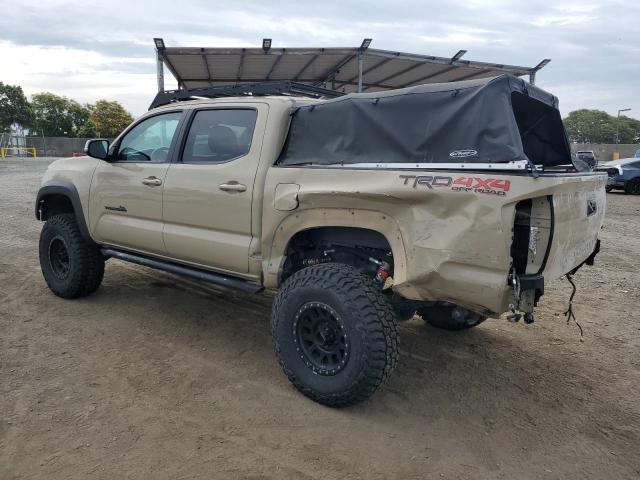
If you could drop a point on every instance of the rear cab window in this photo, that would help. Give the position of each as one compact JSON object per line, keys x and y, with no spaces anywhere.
{"x":219,"y":135}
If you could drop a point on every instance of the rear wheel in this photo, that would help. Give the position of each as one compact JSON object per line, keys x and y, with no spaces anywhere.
{"x":71,"y":266}
{"x":633,"y":187}
{"x":608,"y":189}
{"x":450,"y":317}
{"x":334,"y":334}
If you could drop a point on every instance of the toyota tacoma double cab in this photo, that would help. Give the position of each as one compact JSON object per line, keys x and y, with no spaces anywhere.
{"x":359,"y":210}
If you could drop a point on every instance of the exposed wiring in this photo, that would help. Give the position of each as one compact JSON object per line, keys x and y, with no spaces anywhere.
{"x":569,"y":312}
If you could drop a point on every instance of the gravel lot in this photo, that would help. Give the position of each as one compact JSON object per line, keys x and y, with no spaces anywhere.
{"x":160,"y":377}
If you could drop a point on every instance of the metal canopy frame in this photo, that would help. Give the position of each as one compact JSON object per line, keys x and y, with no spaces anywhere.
{"x":282,"y":87}
{"x":346,"y":69}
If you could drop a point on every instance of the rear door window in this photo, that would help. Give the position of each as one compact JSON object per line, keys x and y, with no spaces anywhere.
{"x":220,"y":135}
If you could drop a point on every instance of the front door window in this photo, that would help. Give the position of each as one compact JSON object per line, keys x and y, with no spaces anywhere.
{"x":149,"y":140}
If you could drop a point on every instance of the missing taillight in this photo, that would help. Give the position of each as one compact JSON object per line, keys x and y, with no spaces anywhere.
{"x":532,"y":231}
{"x":521,"y":235}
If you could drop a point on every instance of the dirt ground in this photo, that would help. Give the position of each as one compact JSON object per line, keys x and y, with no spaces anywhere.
{"x":160,"y":377}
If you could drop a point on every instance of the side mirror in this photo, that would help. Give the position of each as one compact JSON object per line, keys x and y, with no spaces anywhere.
{"x":97,"y":148}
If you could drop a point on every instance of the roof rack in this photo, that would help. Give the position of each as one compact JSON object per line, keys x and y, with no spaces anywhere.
{"x":281,"y":87}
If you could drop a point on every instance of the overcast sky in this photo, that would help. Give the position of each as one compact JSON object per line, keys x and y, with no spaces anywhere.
{"x":88,"y":50}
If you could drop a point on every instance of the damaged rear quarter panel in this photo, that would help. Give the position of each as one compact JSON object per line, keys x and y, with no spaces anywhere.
{"x":455,"y":230}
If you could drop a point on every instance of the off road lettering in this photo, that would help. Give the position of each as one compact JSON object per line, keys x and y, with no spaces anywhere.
{"x":494,"y":186}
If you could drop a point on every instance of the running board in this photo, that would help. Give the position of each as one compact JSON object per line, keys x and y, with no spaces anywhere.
{"x":185,"y":271}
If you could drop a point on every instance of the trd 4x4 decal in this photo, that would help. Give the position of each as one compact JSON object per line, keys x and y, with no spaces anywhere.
{"x":492,"y":186}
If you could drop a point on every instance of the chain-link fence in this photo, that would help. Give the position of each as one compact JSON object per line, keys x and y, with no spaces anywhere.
{"x":57,"y":146}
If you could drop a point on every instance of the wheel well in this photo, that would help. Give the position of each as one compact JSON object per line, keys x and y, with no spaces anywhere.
{"x":54,"y":204}
{"x":363,"y":248}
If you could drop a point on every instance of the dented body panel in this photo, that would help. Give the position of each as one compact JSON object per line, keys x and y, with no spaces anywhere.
{"x":450,"y":232}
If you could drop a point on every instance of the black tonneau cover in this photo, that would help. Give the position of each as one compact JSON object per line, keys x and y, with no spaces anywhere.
{"x":491,"y":120}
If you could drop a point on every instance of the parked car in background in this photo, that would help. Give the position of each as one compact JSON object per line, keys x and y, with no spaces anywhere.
{"x":587,"y":156}
{"x":627,"y":177}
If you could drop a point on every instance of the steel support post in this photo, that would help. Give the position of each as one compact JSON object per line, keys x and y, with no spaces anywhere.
{"x":160,"y":71}
{"x":360,"y":61}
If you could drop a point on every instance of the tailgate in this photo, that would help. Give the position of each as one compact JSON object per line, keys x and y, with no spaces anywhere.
{"x":578,"y":207}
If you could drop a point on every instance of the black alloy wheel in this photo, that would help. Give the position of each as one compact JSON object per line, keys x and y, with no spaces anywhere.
{"x":322,"y":341}
{"x":59,"y":257}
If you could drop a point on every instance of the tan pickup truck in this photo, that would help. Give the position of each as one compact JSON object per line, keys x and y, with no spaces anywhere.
{"x":360,"y":210}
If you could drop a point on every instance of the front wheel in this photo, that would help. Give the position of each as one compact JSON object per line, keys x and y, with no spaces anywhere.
{"x":450,"y":317}
{"x":334,"y":334}
{"x":71,"y":266}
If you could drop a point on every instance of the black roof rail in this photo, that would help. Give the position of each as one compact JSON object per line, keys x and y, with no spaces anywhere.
{"x":280,"y":87}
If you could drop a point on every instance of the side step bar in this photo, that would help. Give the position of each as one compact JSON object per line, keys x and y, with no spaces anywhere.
{"x":198,"y":274}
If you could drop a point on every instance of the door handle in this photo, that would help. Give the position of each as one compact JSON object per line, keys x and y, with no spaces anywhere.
{"x":232,"y":187}
{"x":152,"y":181}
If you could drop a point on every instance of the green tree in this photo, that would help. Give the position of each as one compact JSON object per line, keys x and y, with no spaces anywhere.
{"x":109,"y":118}
{"x":52,"y":116}
{"x":79,"y":116}
{"x":56,"y":116}
{"x":88,"y":130}
{"x":14,"y":107}
{"x":596,"y":126}
{"x":590,"y":126}
{"x":629,"y":130}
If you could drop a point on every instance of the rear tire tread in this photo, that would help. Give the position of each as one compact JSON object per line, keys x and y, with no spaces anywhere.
{"x":376,"y":317}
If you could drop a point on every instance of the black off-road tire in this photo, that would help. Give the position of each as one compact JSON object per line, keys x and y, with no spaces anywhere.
{"x":633,"y":187}
{"x":608,"y":189}
{"x":367,"y":323}
{"x":61,"y":240}
{"x":442,"y":316}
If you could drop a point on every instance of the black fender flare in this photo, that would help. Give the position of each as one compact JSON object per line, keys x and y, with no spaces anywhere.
{"x":68,"y":190}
